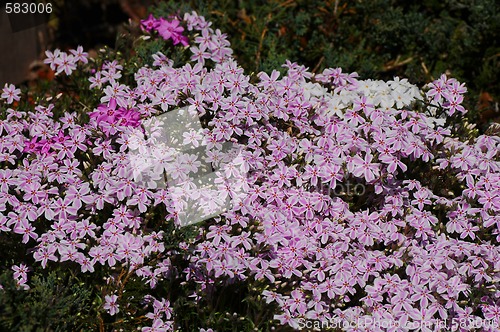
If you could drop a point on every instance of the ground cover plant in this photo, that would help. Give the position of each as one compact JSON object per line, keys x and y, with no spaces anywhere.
{"x":165,"y":188}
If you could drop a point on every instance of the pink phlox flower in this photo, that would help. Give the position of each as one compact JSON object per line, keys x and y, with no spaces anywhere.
{"x":267,"y":81}
{"x":492,"y":312}
{"x":66,"y":63}
{"x":44,"y":254}
{"x":26,"y":229}
{"x":161,"y":60}
{"x":80,"y":55}
{"x":78,"y":194}
{"x":65,"y":207}
{"x":424,"y":318}
{"x":34,"y":192}
{"x":158,"y":326}
{"x":363,"y":104}
{"x":286,"y":318}
{"x":97,"y":80}
{"x":161,"y":308}
{"x":20,"y":271}
{"x":10,"y":93}
{"x":195,"y":21}
{"x":454,"y":103}
{"x":141,"y":198}
{"x":112,"y":66}
{"x":297,"y":302}
{"x":437,"y":88}
{"x":85,"y":227}
{"x":364,"y":167}
{"x":421,"y":198}
{"x":111,"y":305}
{"x":455,"y":87}
{"x":51,"y":58}
{"x":393,"y":162}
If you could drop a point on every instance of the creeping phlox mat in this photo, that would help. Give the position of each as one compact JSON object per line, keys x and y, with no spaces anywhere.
{"x":330,"y":201}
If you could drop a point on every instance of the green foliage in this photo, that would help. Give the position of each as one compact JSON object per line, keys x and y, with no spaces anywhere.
{"x":226,"y":307}
{"x":55,"y":302}
{"x":379,"y":39}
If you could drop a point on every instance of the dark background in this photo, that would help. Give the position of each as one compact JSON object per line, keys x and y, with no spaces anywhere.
{"x":90,"y":23}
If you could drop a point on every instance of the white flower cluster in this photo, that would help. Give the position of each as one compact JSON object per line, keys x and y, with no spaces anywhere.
{"x":385,"y":95}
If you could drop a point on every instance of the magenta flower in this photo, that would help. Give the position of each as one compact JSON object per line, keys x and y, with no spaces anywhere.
{"x":171,"y":30}
{"x":178,"y":38}
{"x":106,"y":113}
{"x":129,"y":117}
{"x":150,"y":23}
{"x":31,"y":145}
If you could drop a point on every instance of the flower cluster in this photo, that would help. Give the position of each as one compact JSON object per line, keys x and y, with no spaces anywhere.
{"x":167,"y":29}
{"x":419,"y":241}
{"x":109,"y":115}
{"x":447,"y":92}
{"x":63,"y":62}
